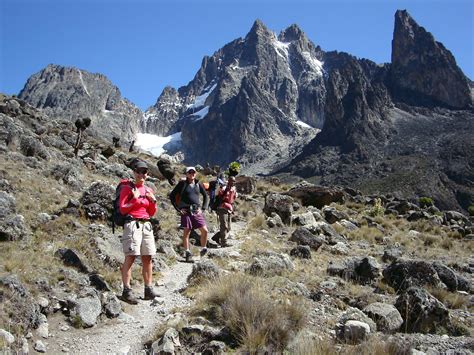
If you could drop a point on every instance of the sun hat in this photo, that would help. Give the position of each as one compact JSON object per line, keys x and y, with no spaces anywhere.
{"x":140,"y":165}
{"x":189,"y":168}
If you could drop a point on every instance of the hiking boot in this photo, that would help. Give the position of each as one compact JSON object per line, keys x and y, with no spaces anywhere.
{"x":188,"y":256}
{"x":203,"y":252}
{"x":216,"y":237}
{"x":150,"y":294}
{"x":127,"y":296}
{"x":223,"y":243}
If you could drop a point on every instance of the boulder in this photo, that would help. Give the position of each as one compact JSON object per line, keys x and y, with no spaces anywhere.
{"x":318,"y":196}
{"x":281,"y":205}
{"x":205,"y":270}
{"x":421,"y":312}
{"x":302,"y":236}
{"x":402,"y":274}
{"x":386,"y":316}
{"x":270,"y":264}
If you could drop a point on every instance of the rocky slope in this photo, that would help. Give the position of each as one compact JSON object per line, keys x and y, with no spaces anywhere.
{"x":320,"y":267}
{"x":71,"y":93}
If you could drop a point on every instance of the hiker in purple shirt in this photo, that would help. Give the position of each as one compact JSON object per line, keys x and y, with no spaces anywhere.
{"x":185,"y":199}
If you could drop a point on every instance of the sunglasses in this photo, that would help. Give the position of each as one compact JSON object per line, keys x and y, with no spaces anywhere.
{"x":141,"y":171}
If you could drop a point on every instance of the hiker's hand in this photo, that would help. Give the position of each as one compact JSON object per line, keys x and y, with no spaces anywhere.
{"x":151,"y":197}
{"x":136,"y":193}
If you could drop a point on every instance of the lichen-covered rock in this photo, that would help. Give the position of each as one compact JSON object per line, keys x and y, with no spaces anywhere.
{"x":421,"y":312}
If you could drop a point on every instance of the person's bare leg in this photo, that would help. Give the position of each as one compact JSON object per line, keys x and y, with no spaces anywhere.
{"x":127,"y":270}
{"x":186,"y":234}
{"x":147,"y":270}
{"x":203,"y":231}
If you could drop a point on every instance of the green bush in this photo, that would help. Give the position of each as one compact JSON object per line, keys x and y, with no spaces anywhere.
{"x":470,"y":209}
{"x":425,"y":202}
{"x":234,"y":169}
{"x":377,"y":209}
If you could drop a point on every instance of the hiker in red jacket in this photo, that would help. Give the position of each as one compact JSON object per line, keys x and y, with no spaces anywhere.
{"x":138,"y":203}
{"x":227,"y":195}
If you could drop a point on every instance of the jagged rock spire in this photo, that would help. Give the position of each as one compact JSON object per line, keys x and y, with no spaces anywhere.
{"x":423,"y":69}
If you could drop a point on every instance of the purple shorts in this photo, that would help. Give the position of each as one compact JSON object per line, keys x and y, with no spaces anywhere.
{"x":193,"y":221}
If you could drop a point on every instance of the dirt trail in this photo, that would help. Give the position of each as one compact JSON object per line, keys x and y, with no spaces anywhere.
{"x":127,"y":333}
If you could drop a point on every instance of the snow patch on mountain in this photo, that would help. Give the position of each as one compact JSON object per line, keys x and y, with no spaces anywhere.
{"x":157,"y":145}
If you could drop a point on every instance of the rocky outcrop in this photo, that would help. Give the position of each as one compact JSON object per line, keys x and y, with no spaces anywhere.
{"x":247,"y":97}
{"x":423,"y":70}
{"x":161,"y":117}
{"x":71,"y":93}
{"x":390,"y":128}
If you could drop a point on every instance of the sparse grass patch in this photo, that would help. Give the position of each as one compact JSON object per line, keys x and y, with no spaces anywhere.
{"x":257,"y":322}
{"x":451,"y":300}
{"x":258,"y":222}
{"x":369,"y":234}
{"x":384,"y":287}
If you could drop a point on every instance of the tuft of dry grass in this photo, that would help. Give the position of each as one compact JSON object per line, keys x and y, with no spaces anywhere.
{"x":451,"y":300}
{"x":374,"y":345}
{"x":258,"y":323}
{"x":369,"y":234}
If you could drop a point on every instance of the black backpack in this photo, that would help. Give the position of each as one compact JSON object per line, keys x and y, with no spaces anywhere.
{"x":118,"y":219}
{"x":214,"y":199}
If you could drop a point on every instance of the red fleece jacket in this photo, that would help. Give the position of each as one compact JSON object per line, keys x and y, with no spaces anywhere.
{"x":140,"y":207}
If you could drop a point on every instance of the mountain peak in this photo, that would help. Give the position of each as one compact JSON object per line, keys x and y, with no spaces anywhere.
{"x":291,"y":33}
{"x":424,"y":67}
{"x":258,"y":30}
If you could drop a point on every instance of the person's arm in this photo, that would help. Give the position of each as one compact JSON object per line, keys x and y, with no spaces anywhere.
{"x":151,"y":210}
{"x":128,"y":199}
{"x":173,"y":194}
{"x":205,"y":197}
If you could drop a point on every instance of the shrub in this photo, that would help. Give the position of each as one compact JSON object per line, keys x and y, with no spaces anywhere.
{"x":425,"y":202}
{"x":470,"y":209}
{"x":255,"y":321}
{"x":377,"y":209}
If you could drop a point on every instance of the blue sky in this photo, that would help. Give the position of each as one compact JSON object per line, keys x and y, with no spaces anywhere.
{"x":144,"y":45}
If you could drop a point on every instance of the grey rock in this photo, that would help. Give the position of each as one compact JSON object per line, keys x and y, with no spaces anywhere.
{"x":167,"y":343}
{"x":386,"y":316}
{"x":86,"y":308}
{"x":281,"y":205}
{"x":112,"y":305}
{"x":302,"y":236}
{"x":7,"y":337}
{"x":421,"y":312}
{"x":39,"y":346}
{"x":270,"y":264}
{"x":204,"y":270}
{"x":301,"y":251}
{"x":402,"y":274}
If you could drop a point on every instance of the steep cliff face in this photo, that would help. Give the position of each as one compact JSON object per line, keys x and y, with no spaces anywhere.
{"x":258,"y":100}
{"x":391,"y":128}
{"x":71,"y":93}
{"x":423,"y":70}
{"x":160,"y":118}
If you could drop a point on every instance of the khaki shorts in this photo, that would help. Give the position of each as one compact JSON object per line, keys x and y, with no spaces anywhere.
{"x":138,"y":239}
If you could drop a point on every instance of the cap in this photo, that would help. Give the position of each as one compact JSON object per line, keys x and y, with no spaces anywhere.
{"x":189,"y":168}
{"x":140,"y":164}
